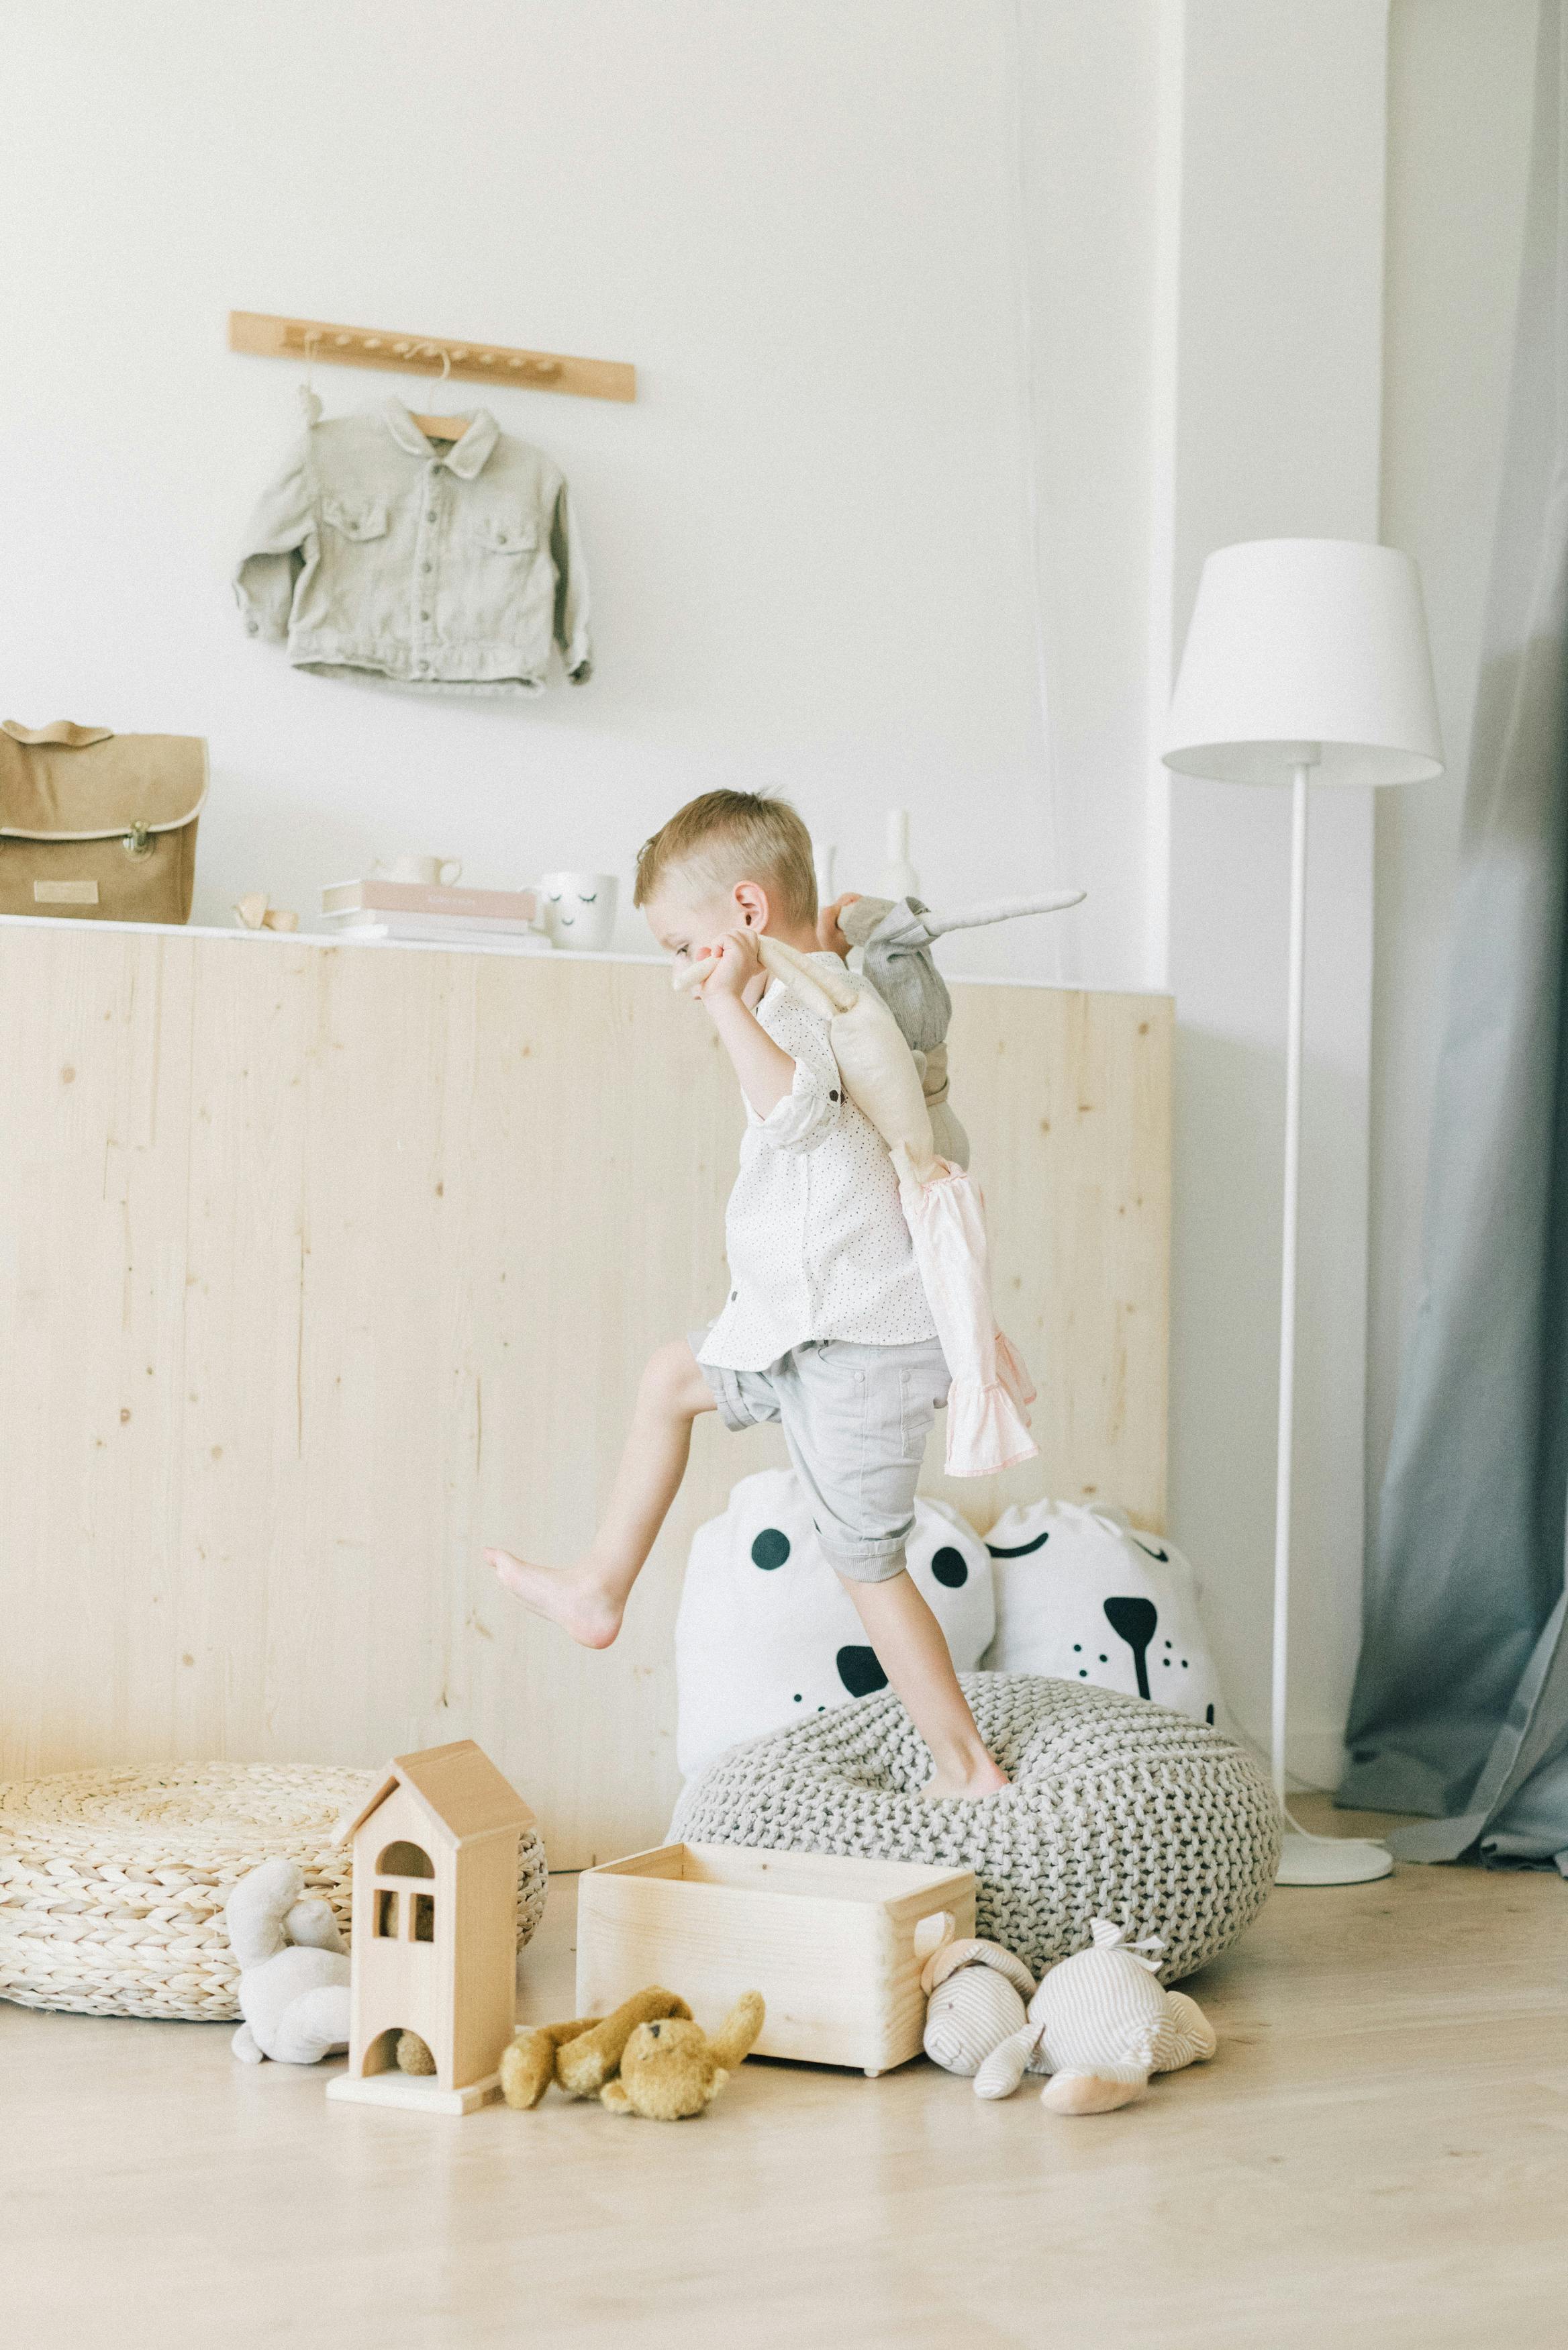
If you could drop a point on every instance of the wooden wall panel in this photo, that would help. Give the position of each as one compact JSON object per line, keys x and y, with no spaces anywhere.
{"x":321,"y":1268}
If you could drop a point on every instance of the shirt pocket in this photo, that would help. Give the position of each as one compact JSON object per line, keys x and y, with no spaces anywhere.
{"x":359,"y":519}
{"x":512,"y":539}
{"x":510,"y":586}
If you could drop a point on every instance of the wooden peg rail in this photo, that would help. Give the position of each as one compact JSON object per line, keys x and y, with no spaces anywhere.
{"x":308,"y":339}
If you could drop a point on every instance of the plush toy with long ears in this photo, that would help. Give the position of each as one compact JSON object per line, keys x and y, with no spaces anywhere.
{"x":896,"y":938}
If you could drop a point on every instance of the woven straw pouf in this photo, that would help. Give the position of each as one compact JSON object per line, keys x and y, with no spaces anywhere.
{"x":112,"y":1883}
{"x":1118,"y":1809}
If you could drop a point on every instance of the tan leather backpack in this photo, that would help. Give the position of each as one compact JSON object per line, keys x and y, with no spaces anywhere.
{"x":98,"y":826}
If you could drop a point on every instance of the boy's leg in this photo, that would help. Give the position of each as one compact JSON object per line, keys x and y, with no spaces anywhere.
{"x":857,"y":1420}
{"x":914,"y":1656}
{"x":588,"y":1599}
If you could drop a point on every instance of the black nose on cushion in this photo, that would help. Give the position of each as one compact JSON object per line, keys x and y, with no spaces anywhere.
{"x":950,"y":1568}
{"x":771,"y":1548}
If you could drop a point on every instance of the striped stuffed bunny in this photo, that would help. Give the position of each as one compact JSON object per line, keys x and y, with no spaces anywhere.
{"x":1099,"y":2025}
{"x":975,"y":1994}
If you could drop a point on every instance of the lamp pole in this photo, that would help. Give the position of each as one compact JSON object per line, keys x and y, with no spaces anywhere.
{"x":1301,"y":775}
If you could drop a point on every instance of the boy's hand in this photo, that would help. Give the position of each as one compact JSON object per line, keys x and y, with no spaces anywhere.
{"x":735,"y":964}
{"x":829,"y":937}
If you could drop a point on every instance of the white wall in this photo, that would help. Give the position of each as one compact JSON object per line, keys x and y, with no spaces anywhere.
{"x":1275,"y":316}
{"x":808,"y":540}
{"x":1459,"y":85}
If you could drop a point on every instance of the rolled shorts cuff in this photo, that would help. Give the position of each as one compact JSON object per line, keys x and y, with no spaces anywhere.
{"x":868,"y":1562}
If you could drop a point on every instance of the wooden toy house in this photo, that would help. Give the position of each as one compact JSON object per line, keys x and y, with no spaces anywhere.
{"x":434,"y":1947}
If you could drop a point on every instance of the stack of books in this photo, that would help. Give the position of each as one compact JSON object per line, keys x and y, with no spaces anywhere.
{"x":420,"y":910}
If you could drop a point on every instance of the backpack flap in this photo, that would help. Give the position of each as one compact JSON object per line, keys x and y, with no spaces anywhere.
{"x":97,"y":825}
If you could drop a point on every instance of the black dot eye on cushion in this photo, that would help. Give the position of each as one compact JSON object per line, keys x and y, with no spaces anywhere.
{"x":770,"y":1549}
{"x":859,"y":1671}
{"x":950,"y":1568}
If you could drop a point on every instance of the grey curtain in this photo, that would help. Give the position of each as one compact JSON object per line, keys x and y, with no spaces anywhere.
{"x":1460,"y":1708}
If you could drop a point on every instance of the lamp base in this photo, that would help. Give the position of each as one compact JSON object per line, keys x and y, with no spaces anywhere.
{"x":1331,"y":1860}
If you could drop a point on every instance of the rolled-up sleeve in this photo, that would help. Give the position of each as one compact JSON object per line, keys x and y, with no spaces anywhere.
{"x":810,"y":1109}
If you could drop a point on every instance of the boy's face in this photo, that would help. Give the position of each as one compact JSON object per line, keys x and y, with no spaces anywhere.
{"x":688,"y":927}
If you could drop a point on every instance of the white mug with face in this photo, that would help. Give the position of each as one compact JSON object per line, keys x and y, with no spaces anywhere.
{"x":430,"y":870}
{"x":578,"y":910}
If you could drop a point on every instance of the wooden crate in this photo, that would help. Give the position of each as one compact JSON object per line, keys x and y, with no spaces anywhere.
{"x":829,"y":1942}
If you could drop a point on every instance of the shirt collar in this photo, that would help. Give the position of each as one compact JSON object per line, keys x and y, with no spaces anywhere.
{"x":464,"y":457}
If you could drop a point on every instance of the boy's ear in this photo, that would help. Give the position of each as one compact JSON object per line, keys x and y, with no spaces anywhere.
{"x":751,"y":901}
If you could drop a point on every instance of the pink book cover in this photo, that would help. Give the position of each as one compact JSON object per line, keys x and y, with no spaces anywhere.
{"x":426,"y":898}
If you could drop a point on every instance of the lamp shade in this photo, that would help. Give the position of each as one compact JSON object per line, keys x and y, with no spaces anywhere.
{"x":1306,"y":649}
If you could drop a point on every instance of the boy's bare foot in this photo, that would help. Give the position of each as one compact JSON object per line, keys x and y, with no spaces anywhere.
{"x":984,"y":1778}
{"x":570,"y":1596}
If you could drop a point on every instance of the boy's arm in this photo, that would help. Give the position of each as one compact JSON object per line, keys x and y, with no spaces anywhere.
{"x":829,"y":936}
{"x":766,"y":1072}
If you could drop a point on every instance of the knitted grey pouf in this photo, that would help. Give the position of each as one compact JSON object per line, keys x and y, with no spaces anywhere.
{"x":1118,"y":1809}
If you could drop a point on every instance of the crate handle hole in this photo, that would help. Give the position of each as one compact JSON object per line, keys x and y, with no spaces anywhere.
{"x":932,"y":1931}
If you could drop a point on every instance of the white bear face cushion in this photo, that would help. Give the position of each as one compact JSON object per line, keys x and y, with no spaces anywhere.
{"x":767,"y":1634}
{"x":1081,"y":1595}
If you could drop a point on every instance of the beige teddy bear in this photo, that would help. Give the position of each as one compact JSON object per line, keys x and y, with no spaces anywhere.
{"x":646,"y":2058}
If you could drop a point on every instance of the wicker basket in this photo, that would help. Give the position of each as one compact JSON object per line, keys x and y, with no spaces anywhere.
{"x":112,"y":1883}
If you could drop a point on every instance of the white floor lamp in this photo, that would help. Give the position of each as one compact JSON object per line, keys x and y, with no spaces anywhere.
{"x":1306,"y":659}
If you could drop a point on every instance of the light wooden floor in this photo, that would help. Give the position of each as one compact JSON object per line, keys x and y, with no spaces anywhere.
{"x":1378,"y":2157}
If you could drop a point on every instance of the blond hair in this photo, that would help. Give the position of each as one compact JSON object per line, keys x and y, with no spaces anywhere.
{"x":728,"y":837}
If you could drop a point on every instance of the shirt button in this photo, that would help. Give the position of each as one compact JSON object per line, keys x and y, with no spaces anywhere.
{"x":252,"y":626}
{"x":426,"y":566}
{"x":424,"y":616}
{"x":733,"y":1295}
{"x":430,"y":513}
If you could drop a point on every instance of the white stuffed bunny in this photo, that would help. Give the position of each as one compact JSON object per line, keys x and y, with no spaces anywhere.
{"x":1099,"y":2025}
{"x":293,"y":1970}
{"x":975,"y":1993}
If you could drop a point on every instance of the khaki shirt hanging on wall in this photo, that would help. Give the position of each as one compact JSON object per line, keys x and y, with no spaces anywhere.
{"x":377,"y":553}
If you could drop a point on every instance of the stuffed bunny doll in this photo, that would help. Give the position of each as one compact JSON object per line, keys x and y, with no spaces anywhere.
{"x":896,"y":938}
{"x":293,"y":1970}
{"x":975,"y":1994}
{"x":1099,"y":2025}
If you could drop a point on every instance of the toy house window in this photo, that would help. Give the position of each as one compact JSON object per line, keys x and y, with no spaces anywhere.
{"x":386,"y":1915}
{"x":404,"y":1859}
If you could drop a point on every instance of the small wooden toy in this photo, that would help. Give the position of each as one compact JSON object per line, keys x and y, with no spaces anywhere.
{"x":434,"y":1948}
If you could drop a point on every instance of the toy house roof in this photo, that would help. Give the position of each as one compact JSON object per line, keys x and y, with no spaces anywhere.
{"x":458,"y":1785}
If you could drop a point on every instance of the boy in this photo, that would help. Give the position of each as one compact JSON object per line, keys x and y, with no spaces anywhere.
{"x":826,"y":1329}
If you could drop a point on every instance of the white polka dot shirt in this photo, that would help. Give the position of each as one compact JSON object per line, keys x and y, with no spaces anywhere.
{"x":817,"y":1240}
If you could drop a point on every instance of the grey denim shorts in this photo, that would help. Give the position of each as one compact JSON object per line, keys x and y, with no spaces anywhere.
{"x":856,"y":1421}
